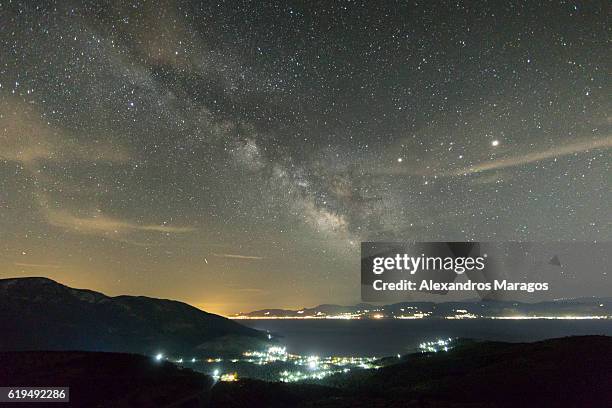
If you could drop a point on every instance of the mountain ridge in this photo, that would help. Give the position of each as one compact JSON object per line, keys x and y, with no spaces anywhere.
{"x":42,"y":314}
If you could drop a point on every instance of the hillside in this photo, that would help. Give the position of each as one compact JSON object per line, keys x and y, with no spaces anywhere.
{"x":41,"y":314}
{"x":106,"y":379}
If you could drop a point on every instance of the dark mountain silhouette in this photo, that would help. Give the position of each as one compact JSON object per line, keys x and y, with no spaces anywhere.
{"x":41,"y":314}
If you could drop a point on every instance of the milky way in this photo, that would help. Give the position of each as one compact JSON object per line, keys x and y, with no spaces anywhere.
{"x":234,"y":154}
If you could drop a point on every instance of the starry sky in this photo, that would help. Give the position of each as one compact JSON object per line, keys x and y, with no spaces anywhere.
{"x":233,"y":154}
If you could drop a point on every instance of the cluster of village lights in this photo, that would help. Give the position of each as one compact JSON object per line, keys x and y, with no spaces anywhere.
{"x":306,"y":367}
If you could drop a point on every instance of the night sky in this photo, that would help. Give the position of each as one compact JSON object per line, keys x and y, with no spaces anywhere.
{"x":233,"y":155}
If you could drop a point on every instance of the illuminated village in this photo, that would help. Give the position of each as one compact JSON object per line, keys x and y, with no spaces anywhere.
{"x":288,"y":367}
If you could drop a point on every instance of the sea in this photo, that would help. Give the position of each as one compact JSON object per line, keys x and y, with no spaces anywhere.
{"x":389,"y":337}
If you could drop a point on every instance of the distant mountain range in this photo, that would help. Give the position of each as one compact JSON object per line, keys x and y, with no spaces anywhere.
{"x":565,"y":308}
{"x":41,"y":314}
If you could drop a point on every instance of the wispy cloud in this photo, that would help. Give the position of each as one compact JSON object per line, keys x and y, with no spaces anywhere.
{"x":35,"y":265}
{"x":532,"y":157}
{"x":102,"y":224}
{"x":250,"y":290}
{"x":27,"y":139}
{"x":237,"y":256}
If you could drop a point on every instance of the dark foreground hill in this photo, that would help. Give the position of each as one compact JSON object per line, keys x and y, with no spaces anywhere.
{"x":41,"y":314}
{"x":106,"y":379}
{"x":568,"y":372}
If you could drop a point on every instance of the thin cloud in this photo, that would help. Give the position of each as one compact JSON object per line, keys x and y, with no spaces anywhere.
{"x":553,"y":152}
{"x":102,"y":224}
{"x":251,"y":290}
{"x":27,"y":139}
{"x":34,"y":265}
{"x":237,"y":256}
